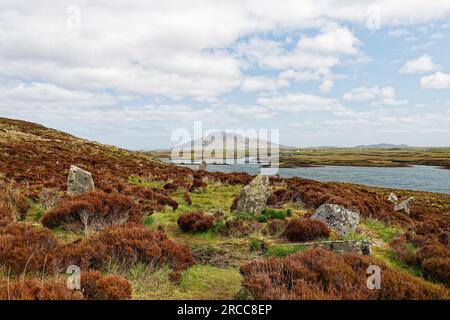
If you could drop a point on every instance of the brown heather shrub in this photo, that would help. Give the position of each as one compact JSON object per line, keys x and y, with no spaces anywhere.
{"x":240,"y":227}
{"x":36,"y":289}
{"x":195,"y":221}
{"x":198,"y":183}
{"x":426,"y":250}
{"x":234,"y":204}
{"x":14,"y":201}
{"x":149,"y":199}
{"x":275,"y":227}
{"x":126,"y":245}
{"x":5,"y":216}
{"x":187,"y":199}
{"x":437,"y":269}
{"x":319,"y":274}
{"x":26,"y":248}
{"x":305,"y":230}
{"x":96,"y":286}
{"x":368,"y":203}
{"x":279,"y":197}
{"x":94,"y":209}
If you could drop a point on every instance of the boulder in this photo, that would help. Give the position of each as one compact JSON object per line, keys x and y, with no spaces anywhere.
{"x":253,"y":197}
{"x":337,"y":217}
{"x":79,"y":181}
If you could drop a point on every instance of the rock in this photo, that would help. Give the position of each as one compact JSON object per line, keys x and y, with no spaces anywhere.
{"x":253,"y":197}
{"x":393,"y":198}
{"x":405,"y":205}
{"x":79,"y":181}
{"x":337,"y":217}
{"x":362,"y":247}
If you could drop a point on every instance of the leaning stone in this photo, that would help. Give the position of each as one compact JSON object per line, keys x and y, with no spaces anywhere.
{"x":79,"y":181}
{"x":405,"y":205}
{"x":337,"y":217}
{"x":253,"y":197}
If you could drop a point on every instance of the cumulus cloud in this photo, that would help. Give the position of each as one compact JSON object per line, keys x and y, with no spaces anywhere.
{"x":420,"y":65}
{"x":340,"y":40}
{"x":301,"y":102}
{"x":168,"y":60}
{"x":250,"y":84}
{"x":438,"y":80}
{"x":385,"y":95}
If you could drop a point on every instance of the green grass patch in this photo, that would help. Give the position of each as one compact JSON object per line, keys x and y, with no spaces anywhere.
{"x":145,"y":182}
{"x":388,"y":256}
{"x":283,"y":250}
{"x":382,"y":230}
{"x":197,"y":282}
{"x":266,"y":215}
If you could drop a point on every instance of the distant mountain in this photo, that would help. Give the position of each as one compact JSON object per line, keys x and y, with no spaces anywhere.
{"x":228,"y":141}
{"x":382,"y":146}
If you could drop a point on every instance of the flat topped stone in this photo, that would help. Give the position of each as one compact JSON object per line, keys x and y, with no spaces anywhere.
{"x":79,"y":181}
{"x":337,"y":217}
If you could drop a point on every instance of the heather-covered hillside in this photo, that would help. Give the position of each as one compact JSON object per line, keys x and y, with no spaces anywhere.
{"x":152,"y":230}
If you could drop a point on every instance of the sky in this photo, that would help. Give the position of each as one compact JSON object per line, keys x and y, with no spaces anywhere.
{"x":130,"y":73}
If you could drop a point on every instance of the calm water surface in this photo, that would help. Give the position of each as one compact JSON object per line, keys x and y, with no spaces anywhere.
{"x":422,"y":178}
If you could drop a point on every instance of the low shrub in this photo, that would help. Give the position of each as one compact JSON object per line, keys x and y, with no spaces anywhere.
{"x":187,"y":199}
{"x":305,"y":230}
{"x":240,"y":227}
{"x":126,"y":245}
{"x":14,"y":201}
{"x":95,"y":210}
{"x":255,"y":245}
{"x":198,"y":183}
{"x":269,"y":214}
{"x":275,"y":227}
{"x":319,"y":274}
{"x":96,"y":286}
{"x":195,"y":221}
{"x":426,"y":252}
{"x":26,"y":248}
{"x":279,"y":197}
{"x":36,"y":289}
{"x":437,"y":269}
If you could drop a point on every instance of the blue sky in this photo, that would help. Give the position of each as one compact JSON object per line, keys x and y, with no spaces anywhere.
{"x":324,"y":73}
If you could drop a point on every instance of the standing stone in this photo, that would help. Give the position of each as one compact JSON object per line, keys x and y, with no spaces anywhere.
{"x":337,"y":217}
{"x":79,"y":181}
{"x":253,"y":197}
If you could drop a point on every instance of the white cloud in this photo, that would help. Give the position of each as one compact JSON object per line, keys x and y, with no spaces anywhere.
{"x":326,"y":86}
{"x":337,"y":41}
{"x":399,"y":33}
{"x":420,"y":65}
{"x":438,"y":80}
{"x":386,"y":95}
{"x":300,"y":102}
{"x":49,"y":95}
{"x":250,"y":84}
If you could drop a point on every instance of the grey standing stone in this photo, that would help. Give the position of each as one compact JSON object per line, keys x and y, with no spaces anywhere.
{"x":337,"y":217}
{"x":253,"y":197}
{"x":79,"y":181}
